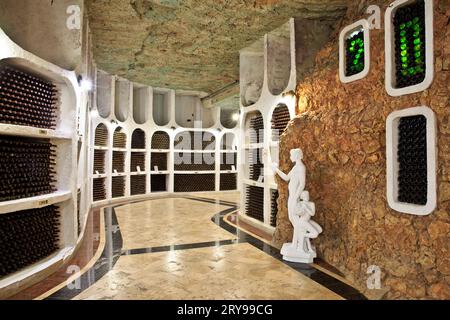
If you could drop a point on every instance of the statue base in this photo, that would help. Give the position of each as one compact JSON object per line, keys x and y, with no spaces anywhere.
{"x":292,"y":254}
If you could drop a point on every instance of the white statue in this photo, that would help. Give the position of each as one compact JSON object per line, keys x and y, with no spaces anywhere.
{"x":300,"y":213}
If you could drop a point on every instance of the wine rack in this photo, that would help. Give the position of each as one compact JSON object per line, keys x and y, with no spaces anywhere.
{"x":98,"y":189}
{"x":158,"y":182}
{"x":27,"y":236}
{"x":354,"y":53}
{"x":409,"y":29}
{"x":195,"y":162}
{"x":274,"y":194}
{"x":255,"y":163}
{"x":280,"y":120}
{"x":118,"y":187}
{"x":160,"y":140}
{"x":137,"y":159}
{"x":194,"y":182}
{"x":254,"y":202}
{"x":138,"y":184}
{"x":138,"y":139}
{"x":27,"y":100}
{"x":412,"y":160}
{"x":228,"y":160}
{"x":119,"y":139}
{"x":99,"y":161}
{"x":101,"y":135}
{"x":118,"y":161}
{"x":195,"y":141}
{"x":228,"y":181}
{"x":159,"y":160}
{"x":27,"y":167}
{"x":256,"y":129}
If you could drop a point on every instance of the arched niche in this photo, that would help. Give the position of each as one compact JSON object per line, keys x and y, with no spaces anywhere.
{"x":195,"y":140}
{"x":252,"y":72}
{"x":141,"y":104}
{"x":122,"y":99}
{"x":254,"y":127}
{"x":280,"y":119}
{"x":229,"y":117}
{"x":190,"y":112}
{"x":160,"y":140}
{"x":101,"y":136}
{"x":161,"y":107}
{"x":104,"y":93}
{"x":279,"y":58}
{"x":119,"y":138}
{"x":138,"y":139}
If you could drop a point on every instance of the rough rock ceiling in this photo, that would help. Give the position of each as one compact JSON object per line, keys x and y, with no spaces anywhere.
{"x":189,"y":44}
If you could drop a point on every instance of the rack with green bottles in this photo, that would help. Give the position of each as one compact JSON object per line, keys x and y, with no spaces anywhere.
{"x":355,"y":53}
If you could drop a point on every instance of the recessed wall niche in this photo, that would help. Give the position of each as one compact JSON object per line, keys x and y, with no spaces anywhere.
{"x":354,"y":51}
{"x":161,"y":107}
{"x":229,"y":117}
{"x":138,"y":139}
{"x":409,"y":46}
{"x":252,"y":73}
{"x":122,"y":99}
{"x":141,"y":103}
{"x":411,"y":160}
{"x":105,"y":83}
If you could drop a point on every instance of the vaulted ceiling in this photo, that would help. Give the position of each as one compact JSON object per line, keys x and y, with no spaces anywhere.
{"x":189,"y":44}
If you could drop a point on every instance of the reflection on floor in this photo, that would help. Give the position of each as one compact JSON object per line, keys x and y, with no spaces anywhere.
{"x":237,"y":271}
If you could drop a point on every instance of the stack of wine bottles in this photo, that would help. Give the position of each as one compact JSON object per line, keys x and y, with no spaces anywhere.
{"x":101,"y":136}
{"x":194,"y":161}
{"x":228,"y":181}
{"x":27,"y":100}
{"x":228,"y":160}
{"x":138,"y":184}
{"x":412,"y":160}
{"x":118,"y":161}
{"x":137,"y":159}
{"x":27,"y":236}
{"x":256,"y":165}
{"x":118,"y":187}
{"x":26,"y":167}
{"x":119,"y":139}
{"x":273,"y":207}
{"x":138,"y":139}
{"x":280,"y":119}
{"x":354,"y":53}
{"x":254,"y":202}
{"x":158,"y":182}
{"x":99,"y":161}
{"x":160,"y":140}
{"x":98,"y":189}
{"x":159,"y":160}
{"x":256,"y":129}
{"x":194,"y":182}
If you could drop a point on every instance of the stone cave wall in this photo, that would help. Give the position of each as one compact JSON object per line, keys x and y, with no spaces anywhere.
{"x":341,"y":129}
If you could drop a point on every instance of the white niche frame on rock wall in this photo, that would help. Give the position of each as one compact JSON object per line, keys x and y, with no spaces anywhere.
{"x":389,"y":39}
{"x":392,"y":163}
{"x":360,"y":24}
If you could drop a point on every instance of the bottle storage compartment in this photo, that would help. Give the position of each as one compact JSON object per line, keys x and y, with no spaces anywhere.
{"x":118,"y":161}
{"x":160,"y":140}
{"x":119,"y":138}
{"x":99,"y":161}
{"x":98,"y":189}
{"x":137,"y":160}
{"x":255,"y":163}
{"x":138,"y":184}
{"x":228,"y":160}
{"x":101,"y":136}
{"x":161,"y":107}
{"x":194,"y":182}
{"x":159,"y":182}
{"x":229,"y":117}
{"x":280,"y":120}
{"x":279,"y":58}
{"x":27,"y":99}
{"x":138,"y":139}
{"x":28,"y":236}
{"x":159,"y":160}
{"x":118,"y":187}
{"x":409,"y":46}
{"x":122,"y":100}
{"x":104,"y":94}
{"x":141,"y":104}
{"x":190,"y":140}
{"x":188,"y":161}
{"x":228,"y":142}
{"x":228,"y":181}
{"x":27,"y":168}
{"x":252,"y":73}
{"x":254,"y":128}
{"x":273,"y":207}
{"x":254,"y":202}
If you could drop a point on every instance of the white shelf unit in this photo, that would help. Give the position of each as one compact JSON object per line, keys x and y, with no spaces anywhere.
{"x":154,"y":112}
{"x":277,"y":58}
{"x":65,"y":138}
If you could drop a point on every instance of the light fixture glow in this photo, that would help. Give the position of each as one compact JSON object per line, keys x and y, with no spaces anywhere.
{"x":235,"y":116}
{"x":86,"y":85}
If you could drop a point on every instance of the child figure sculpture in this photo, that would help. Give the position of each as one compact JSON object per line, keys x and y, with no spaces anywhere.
{"x":300,"y":213}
